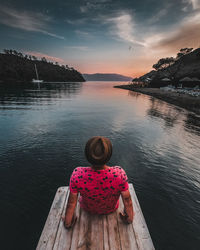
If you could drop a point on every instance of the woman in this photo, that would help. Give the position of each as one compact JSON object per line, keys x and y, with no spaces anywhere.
{"x":99,"y":185}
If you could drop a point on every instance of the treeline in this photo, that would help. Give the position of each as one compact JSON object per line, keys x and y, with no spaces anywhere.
{"x":174,"y":69}
{"x":16,"y":66}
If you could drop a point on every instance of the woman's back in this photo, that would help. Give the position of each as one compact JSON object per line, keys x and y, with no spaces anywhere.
{"x":99,"y":189}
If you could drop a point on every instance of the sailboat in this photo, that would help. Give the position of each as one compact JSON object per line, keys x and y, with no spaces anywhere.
{"x":36,"y":80}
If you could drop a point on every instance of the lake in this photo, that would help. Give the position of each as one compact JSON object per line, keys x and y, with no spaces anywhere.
{"x":43,"y":132}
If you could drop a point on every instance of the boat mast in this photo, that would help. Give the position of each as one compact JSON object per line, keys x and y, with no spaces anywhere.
{"x":36,"y":72}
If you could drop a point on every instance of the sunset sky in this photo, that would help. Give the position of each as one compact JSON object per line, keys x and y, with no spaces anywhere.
{"x":107,"y":36}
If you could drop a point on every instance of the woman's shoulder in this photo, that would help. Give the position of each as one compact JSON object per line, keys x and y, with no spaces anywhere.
{"x":81,"y":169}
{"x":118,"y":168}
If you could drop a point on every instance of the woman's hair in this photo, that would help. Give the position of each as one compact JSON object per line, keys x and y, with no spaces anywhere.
{"x":98,"y":150}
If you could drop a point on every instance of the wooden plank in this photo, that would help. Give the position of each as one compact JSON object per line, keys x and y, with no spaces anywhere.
{"x":113,"y":232}
{"x":63,"y":237}
{"x":101,"y":232}
{"x":76,"y":228}
{"x":127,"y":236}
{"x":105,"y":233}
{"x":97,"y":232}
{"x":84,"y":231}
{"x":51,"y":226}
{"x":140,"y":229}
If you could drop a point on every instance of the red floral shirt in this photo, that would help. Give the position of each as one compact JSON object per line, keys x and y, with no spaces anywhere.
{"x":99,"y":189}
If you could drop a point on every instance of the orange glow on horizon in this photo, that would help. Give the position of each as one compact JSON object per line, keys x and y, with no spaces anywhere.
{"x":108,"y":69}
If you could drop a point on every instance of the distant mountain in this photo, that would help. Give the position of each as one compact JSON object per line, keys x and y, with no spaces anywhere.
{"x":106,"y":77}
{"x":15,"y":66}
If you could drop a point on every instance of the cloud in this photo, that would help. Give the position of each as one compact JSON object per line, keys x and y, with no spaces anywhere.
{"x":158,"y":16}
{"x":93,"y":5}
{"x":81,"y":48}
{"x":123,"y":28}
{"x":83,"y":33}
{"x":195,"y":3}
{"x":76,"y":21}
{"x":160,"y":44}
{"x":26,"y":20}
{"x":40,"y":55}
{"x":186,"y":34}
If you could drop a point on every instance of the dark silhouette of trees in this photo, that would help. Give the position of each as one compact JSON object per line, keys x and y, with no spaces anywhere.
{"x":164,"y":63}
{"x":34,"y":57}
{"x":6,"y":51}
{"x":18,"y":67}
{"x":183,"y":52}
{"x":44,"y":59}
{"x":172,"y":65}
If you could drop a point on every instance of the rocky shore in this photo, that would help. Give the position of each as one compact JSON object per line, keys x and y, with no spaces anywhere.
{"x":179,"y":99}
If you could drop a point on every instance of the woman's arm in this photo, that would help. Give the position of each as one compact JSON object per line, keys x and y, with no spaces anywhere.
{"x":69,"y":213}
{"x":128,"y":207}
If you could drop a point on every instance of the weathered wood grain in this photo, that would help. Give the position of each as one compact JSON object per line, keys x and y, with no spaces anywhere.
{"x":127,"y":236}
{"x":99,"y":232}
{"x":63,"y":237}
{"x":140,"y":229}
{"x":49,"y":232}
{"x":83,"y":239}
{"x":76,"y":228}
{"x":113,"y":231}
{"x":105,"y":233}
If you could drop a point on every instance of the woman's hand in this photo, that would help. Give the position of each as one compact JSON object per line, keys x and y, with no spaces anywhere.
{"x":74,"y":219}
{"x":125,"y":218}
{"x":70,"y":218}
{"x":128,"y":214}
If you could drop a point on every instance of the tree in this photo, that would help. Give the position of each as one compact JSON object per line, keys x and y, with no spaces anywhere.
{"x":6,"y":51}
{"x":183,"y":52}
{"x":20,"y":54}
{"x":164,"y":63}
{"x":15,"y":52}
{"x":17,"y":68}
{"x":44,"y":59}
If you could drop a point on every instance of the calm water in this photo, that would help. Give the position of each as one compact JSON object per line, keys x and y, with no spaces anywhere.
{"x":43,"y":133}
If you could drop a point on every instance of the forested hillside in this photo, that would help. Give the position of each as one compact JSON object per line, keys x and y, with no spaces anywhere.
{"x":14,"y":66}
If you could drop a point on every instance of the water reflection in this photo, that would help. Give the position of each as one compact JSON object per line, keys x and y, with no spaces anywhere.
{"x":172,"y":115}
{"x":162,"y":110}
{"x":13,"y":95}
{"x":156,"y":143}
{"x":134,"y":94}
{"x":192,"y":123}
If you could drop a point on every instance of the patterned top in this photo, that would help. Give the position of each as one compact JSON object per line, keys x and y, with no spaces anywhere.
{"x":99,"y":189}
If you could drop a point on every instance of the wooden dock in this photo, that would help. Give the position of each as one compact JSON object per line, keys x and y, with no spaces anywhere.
{"x":95,"y":232}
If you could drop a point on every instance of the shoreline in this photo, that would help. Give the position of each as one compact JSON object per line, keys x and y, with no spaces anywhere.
{"x":181,"y":100}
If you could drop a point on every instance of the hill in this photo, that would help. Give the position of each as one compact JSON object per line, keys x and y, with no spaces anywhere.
{"x":106,"y":77}
{"x":187,"y":66}
{"x":19,"y":67}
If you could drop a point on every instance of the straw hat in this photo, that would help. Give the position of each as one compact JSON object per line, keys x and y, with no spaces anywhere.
{"x":98,"y":150}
